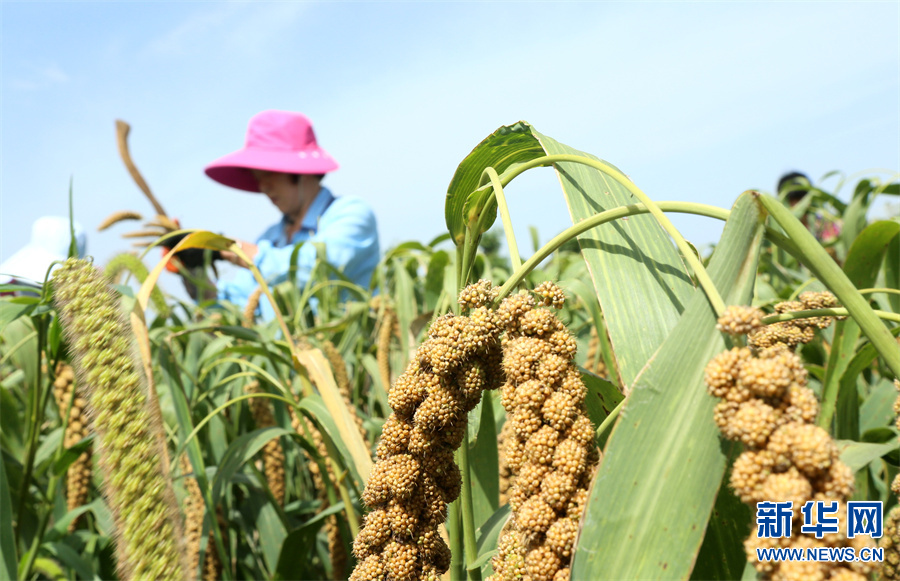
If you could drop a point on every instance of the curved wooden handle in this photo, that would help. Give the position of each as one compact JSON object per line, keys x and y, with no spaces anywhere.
{"x":122,"y":130}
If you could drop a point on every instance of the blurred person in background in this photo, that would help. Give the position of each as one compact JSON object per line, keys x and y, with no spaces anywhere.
{"x":51,"y":238}
{"x":282,"y":159}
{"x":793,"y":188}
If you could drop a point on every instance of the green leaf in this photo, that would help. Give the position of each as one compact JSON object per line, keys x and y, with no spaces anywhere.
{"x":867,"y":253}
{"x":728,"y":526}
{"x":7,"y":536}
{"x":657,"y":484}
{"x":488,"y":535}
{"x":857,"y":455}
{"x":315,"y":407}
{"x":10,"y":311}
{"x":877,"y":411}
{"x":69,"y":557}
{"x":239,"y":451}
{"x":484,"y":463}
{"x":639,"y":277}
{"x":504,"y":147}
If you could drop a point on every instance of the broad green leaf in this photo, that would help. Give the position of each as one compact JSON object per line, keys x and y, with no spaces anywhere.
{"x":359,"y":456}
{"x":11,"y":309}
{"x":483,"y":463}
{"x":866,"y":255}
{"x":657,"y":484}
{"x":504,"y":147}
{"x":728,"y":527}
{"x":857,"y":455}
{"x":892,"y":272}
{"x":638,"y":275}
{"x":317,"y":410}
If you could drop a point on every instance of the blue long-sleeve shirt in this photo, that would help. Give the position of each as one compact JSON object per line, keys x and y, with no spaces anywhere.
{"x":345,"y":225}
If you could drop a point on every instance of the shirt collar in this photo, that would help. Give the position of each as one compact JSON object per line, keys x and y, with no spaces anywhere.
{"x":310,"y":222}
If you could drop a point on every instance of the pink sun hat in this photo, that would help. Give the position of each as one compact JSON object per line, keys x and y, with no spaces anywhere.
{"x":276,"y":141}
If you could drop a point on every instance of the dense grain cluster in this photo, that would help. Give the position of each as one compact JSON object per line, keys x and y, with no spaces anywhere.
{"x":792,"y":333}
{"x":415,"y":475}
{"x":766,"y":404}
{"x":78,"y":476}
{"x":273,"y":454}
{"x":130,"y":439}
{"x":890,"y":541}
{"x":550,"y":448}
{"x":194,"y":510}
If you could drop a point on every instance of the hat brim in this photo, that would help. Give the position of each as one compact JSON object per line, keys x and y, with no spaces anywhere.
{"x":233,"y":170}
{"x":28,"y":264}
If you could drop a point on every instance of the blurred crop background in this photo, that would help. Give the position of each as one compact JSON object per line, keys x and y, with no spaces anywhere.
{"x":699,"y":101}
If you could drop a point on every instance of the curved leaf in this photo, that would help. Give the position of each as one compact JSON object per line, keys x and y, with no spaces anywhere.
{"x":655,"y":490}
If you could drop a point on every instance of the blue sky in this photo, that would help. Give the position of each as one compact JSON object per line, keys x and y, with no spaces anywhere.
{"x":694,"y":101}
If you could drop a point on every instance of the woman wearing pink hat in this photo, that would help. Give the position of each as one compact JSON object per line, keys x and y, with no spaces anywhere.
{"x":282,"y":160}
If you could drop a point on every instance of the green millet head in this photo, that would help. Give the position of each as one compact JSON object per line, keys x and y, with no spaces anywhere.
{"x":740,"y":319}
{"x":130,"y":438}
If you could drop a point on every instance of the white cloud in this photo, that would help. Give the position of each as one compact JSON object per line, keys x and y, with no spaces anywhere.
{"x":40,"y":78}
{"x":229,"y":26}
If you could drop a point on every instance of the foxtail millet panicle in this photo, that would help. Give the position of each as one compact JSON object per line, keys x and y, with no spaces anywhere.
{"x":272,"y":453}
{"x":415,"y":475}
{"x":766,"y":404}
{"x":550,"y":446}
{"x":130,"y":442}
{"x":78,"y":475}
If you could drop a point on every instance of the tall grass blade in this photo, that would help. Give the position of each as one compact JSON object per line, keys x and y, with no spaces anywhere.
{"x":657,"y":483}
{"x":640,"y":280}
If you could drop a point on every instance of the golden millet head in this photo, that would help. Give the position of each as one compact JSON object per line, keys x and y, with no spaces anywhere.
{"x":765,"y":377}
{"x":837,"y":482}
{"x":551,"y":294}
{"x":808,"y":447}
{"x":753,"y":422}
{"x":542,"y":564}
{"x":722,"y":371}
{"x":560,"y":411}
{"x":749,"y":472}
{"x":740,"y":319}
{"x":541,"y":445}
{"x":800,"y":405}
{"x":570,"y":457}
{"x":788,"y":486}
{"x":512,"y":308}
{"x":395,"y":435}
{"x":479,"y":294}
{"x":535,"y":516}
{"x":561,"y":537}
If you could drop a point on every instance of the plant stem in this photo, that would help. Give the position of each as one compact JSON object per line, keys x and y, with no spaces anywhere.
{"x":837,"y":312}
{"x":470,"y":549}
{"x":699,"y":271}
{"x":601,"y":218}
{"x":35,"y":415}
{"x":454,"y":530}
{"x":514,"y":257}
{"x":610,"y":418}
